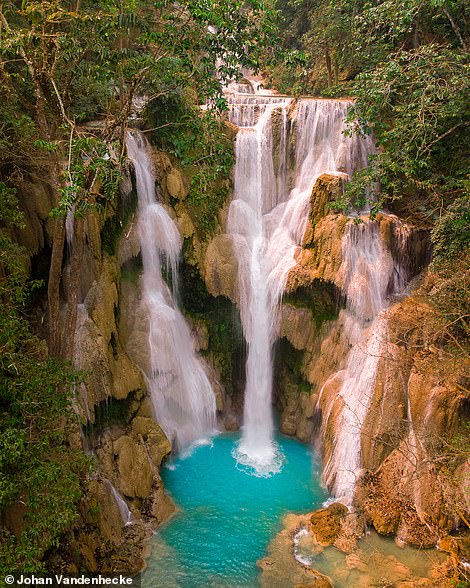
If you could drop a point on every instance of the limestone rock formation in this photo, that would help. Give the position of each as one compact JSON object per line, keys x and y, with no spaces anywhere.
{"x":417,"y":399}
{"x":134,"y":471}
{"x":221,"y":267}
{"x":98,"y":349}
{"x":156,"y":441}
{"x":280,"y":568}
{"x":101,"y":510}
{"x":325,"y":523}
{"x":175,"y":185}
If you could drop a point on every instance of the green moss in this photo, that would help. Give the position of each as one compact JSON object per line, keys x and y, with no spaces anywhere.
{"x":202,"y":145}
{"x":131,"y":271}
{"x":116,"y":223}
{"x":226,"y":344}
{"x":111,"y":412}
{"x":288,"y":356}
{"x":322,"y":299}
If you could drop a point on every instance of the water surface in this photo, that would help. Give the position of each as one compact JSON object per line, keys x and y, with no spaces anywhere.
{"x":227,"y":514}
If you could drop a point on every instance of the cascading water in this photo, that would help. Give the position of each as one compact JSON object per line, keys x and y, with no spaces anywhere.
{"x":369,"y":276}
{"x":182,"y":396}
{"x":126,"y":515}
{"x":267,"y":221}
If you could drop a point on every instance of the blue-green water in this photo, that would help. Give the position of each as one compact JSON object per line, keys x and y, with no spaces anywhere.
{"x":227,"y":515}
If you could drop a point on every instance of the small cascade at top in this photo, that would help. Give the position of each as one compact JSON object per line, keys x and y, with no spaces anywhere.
{"x":282,"y":146}
{"x":182,"y":396}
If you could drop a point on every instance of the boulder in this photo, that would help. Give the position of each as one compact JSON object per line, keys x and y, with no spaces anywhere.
{"x":175,"y":185}
{"x":221,"y":267}
{"x":327,"y":189}
{"x":135,"y":476}
{"x":184,"y":221}
{"x":322,"y":259}
{"x":325,"y":523}
{"x":154,"y":437}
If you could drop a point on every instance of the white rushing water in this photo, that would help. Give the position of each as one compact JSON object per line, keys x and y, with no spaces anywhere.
{"x":267,"y":218}
{"x":182,"y":396}
{"x":370,"y":276}
{"x":126,"y":515}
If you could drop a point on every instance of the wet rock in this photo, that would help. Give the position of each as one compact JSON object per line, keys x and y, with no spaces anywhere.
{"x":157,"y":443}
{"x":98,"y":350}
{"x":184,"y":221}
{"x":352,"y":528}
{"x":280,"y":568}
{"x":135,"y":476}
{"x":323,"y":260}
{"x":175,"y":185}
{"x":159,"y":505}
{"x":298,"y":326}
{"x":325,"y":523}
{"x":200,"y":332}
{"x":101,"y":510}
{"x":328,"y":188}
{"x":231,"y":422}
{"x":221,"y":267}
{"x":129,"y":244}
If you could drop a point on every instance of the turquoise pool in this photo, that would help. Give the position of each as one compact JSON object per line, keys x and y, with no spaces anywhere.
{"x":227,"y":515}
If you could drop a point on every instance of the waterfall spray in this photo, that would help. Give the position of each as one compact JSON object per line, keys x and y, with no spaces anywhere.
{"x":268,"y":221}
{"x":369,"y":273}
{"x":182,"y":397}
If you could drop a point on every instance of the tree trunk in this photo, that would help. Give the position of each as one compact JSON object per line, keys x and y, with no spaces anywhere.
{"x":328,"y":66}
{"x":53,"y":287}
{"x":415,"y":38}
{"x":74,"y":288}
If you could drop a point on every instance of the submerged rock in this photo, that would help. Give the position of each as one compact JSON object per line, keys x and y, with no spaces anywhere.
{"x":280,"y":568}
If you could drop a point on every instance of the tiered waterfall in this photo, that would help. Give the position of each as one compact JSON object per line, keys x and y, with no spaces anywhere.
{"x":282,"y":146}
{"x":182,"y":396}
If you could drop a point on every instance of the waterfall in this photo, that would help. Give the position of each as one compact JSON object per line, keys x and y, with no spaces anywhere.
{"x":369,"y":275}
{"x":181,"y":394}
{"x":267,"y":221}
{"x":126,"y":514}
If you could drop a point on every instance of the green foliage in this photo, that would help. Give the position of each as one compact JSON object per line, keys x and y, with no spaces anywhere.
{"x":339,"y":39}
{"x":203,"y":145}
{"x":39,"y":472}
{"x":450,"y":296}
{"x":93,"y":174}
{"x":451,"y":233}
{"x":416,"y":104}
